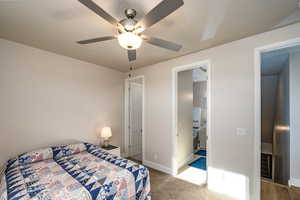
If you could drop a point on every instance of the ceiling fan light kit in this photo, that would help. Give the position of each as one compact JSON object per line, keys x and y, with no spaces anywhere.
{"x":130,"y":30}
{"x":129,"y":40}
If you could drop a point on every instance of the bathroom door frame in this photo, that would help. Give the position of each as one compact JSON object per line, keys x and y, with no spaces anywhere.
{"x":257,"y":106}
{"x":175,"y":71}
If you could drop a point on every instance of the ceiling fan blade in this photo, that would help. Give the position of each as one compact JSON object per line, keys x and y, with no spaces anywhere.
{"x":162,"y":10}
{"x":99,"y":39}
{"x":162,"y":43}
{"x":131,"y":55}
{"x":99,"y":11}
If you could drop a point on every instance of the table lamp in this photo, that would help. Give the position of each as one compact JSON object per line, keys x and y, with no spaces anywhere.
{"x":106,"y":134}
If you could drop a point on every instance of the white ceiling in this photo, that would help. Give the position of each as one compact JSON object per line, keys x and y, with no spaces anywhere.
{"x":56,"y":25}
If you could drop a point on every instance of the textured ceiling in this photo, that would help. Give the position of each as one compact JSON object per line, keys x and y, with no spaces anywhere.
{"x":56,"y":25}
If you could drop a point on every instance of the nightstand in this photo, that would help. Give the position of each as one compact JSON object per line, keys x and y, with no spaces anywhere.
{"x":113,"y":150}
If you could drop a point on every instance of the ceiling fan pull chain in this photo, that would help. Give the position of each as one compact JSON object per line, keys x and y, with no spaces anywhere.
{"x":130,"y":72}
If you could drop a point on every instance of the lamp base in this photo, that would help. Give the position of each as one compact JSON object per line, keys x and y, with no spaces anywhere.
{"x":106,"y":143}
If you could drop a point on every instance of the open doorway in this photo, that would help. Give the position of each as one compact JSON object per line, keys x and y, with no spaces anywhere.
{"x":191,"y":122}
{"x":277,"y":115}
{"x":134,"y":104}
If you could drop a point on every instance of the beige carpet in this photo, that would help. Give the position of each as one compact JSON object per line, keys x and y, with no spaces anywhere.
{"x":167,"y":187}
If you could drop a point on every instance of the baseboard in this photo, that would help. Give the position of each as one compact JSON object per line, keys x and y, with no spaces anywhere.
{"x":188,"y":159}
{"x":294,"y":182}
{"x":157,"y":166}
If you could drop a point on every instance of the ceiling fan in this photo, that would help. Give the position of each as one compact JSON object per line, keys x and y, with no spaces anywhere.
{"x":130,"y":30}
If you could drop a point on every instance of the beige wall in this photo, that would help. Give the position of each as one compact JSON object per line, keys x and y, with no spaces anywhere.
{"x":48,"y":99}
{"x":232,"y":105}
{"x":185,"y":117}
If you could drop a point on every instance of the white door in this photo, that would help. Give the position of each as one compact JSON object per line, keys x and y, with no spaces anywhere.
{"x":135,"y":120}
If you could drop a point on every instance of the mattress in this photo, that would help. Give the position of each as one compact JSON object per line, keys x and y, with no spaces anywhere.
{"x":82,"y":171}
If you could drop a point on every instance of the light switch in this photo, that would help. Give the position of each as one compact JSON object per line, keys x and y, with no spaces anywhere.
{"x":241,"y":131}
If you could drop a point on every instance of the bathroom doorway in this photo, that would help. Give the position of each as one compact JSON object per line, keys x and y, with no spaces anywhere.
{"x":191,"y":110}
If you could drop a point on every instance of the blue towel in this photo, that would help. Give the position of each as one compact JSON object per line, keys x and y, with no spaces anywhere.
{"x":201,"y":152}
{"x":200,"y":163}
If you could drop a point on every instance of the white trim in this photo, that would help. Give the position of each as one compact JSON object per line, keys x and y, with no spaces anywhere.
{"x":158,"y":167}
{"x":257,"y":106}
{"x":126,"y":94}
{"x":257,"y":126}
{"x":186,"y":160}
{"x":206,"y":64}
{"x":294,"y":182}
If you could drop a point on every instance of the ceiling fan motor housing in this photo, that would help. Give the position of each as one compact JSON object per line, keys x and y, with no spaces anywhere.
{"x":129,"y":23}
{"x":130,"y":13}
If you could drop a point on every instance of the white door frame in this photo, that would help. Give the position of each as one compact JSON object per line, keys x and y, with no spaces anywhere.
{"x":126,"y":113}
{"x":257,"y":105}
{"x":175,"y":71}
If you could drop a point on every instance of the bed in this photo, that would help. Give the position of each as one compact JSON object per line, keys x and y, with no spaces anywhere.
{"x":78,"y":171}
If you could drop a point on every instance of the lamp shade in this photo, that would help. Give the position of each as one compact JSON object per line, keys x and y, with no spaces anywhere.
{"x":106,"y":132}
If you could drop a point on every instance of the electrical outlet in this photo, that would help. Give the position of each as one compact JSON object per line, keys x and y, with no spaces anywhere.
{"x":155,"y":156}
{"x":241,"y":131}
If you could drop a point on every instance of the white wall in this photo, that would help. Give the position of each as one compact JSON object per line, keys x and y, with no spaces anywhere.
{"x":48,"y":99}
{"x":185,"y":117}
{"x":232,"y":106}
{"x":295,"y":118}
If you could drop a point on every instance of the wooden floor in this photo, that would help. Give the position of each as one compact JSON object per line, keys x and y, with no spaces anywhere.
{"x":278,"y":192}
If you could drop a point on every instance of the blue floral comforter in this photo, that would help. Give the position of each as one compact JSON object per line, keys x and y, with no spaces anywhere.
{"x":80,"y":171}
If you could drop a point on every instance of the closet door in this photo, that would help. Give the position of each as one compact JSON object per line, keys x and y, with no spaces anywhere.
{"x":135,"y":120}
